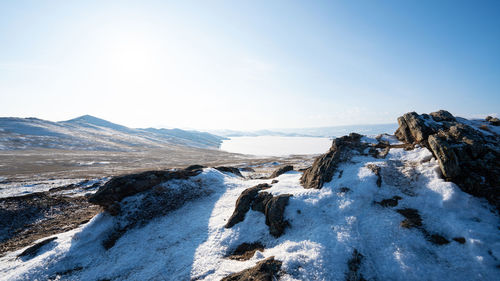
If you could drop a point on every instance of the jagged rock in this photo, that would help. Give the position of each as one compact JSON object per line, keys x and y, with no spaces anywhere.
{"x":442,"y":115}
{"x":376,"y":170}
{"x":33,"y":250}
{"x":244,"y":203}
{"x":467,"y":156}
{"x":493,"y":121}
{"x":245,"y":251}
{"x":114,"y":191}
{"x":260,"y":201}
{"x":275,"y":208}
{"x":266,"y":270}
{"x":232,"y":170}
{"x":274,"y":181}
{"x":281,"y":171}
{"x":325,"y":165}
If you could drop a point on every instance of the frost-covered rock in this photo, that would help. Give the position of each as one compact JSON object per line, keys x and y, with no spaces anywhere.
{"x":324,"y":166}
{"x":467,"y":154}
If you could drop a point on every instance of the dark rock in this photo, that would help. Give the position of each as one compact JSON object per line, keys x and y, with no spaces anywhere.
{"x":194,"y":167}
{"x":493,"y":121}
{"x":467,"y":156}
{"x":460,"y":240}
{"x":33,"y":250}
{"x":118,"y":188}
{"x":438,"y":239}
{"x":260,"y":201}
{"x":281,"y":171}
{"x":247,"y":169}
{"x":244,"y":203}
{"x":442,"y":115}
{"x":266,"y":270}
{"x":391,"y":202}
{"x":246,"y":251}
{"x":354,"y":264}
{"x":412,"y":216}
{"x":376,"y":170}
{"x":232,"y":170}
{"x":275,"y":208}
{"x":344,"y":189}
{"x":274,"y":181}
{"x":325,"y":165}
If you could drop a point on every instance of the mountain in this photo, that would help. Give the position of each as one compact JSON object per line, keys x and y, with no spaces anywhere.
{"x":92,"y":133}
{"x":418,"y":205}
{"x":326,"y":132}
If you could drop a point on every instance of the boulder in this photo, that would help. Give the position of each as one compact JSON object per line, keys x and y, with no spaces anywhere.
{"x":281,"y":170}
{"x":114,"y":191}
{"x":232,"y":170}
{"x":260,"y":201}
{"x":244,"y":203}
{"x":265,"y":270}
{"x":324,"y":166}
{"x":245,"y":251}
{"x":467,"y":156}
{"x":275,"y":208}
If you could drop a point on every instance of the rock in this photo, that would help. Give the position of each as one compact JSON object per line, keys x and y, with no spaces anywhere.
{"x":412,"y":216}
{"x":275,"y":208}
{"x":194,"y":167}
{"x":442,"y":115}
{"x":274,"y":181}
{"x":438,"y":239}
{"x":413,"y":128}
{"x":460,"y":240}
{"x":114,"y":191}
{"x":266,"y":270}
{"x":494,"y":121}
{"x":33,"y":250}
{"x":244,"y":203}
{"x":467,"y":156}
{"x":376,"y":170}
{"x":354,"y":264}
{"x":391,"y":202}
{"x":281,"y":171}
{"x":325,"y":165}
{"x":246,"y":251}
{"x":232,"y":170}
{"x":260,"y":201}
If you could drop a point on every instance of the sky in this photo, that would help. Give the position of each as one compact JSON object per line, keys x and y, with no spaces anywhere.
{"x":248,"y":65}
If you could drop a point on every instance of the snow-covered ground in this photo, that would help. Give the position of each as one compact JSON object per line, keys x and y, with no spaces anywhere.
{"x":326,"y":226}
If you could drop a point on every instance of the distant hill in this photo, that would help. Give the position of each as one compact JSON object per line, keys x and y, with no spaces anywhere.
{"x":327,"y":132}
{"x":92,"y":133}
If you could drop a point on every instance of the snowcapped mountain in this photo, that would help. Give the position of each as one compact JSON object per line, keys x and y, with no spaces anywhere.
{"x":91,"y":133}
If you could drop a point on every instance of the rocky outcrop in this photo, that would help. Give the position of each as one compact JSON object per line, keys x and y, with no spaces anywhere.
{"x":281,"y":170}
{"x":325,"y":166}
{"x":231,"y":170}
{"x":266,"y":270}
{"x":244,"y":203}
{"x":275,"y":208}
{"x":466,"y":155}
{"x":271,"y":206}
{"x":113,"y":192}
{"x":493,"y":121}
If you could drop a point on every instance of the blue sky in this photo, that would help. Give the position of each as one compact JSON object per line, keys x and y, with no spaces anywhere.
{"x":248,"y":64}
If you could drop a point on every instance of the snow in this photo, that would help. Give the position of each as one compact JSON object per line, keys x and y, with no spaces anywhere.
{"x":326,"y":226}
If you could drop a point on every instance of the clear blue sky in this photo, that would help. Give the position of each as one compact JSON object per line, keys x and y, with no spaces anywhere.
{"x":248,"y":64}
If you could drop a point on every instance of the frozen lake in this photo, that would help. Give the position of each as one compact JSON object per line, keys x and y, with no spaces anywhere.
{"x":276,"y":146}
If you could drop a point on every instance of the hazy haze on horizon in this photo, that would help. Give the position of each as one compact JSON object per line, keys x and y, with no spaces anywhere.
{"x":248,"y":65}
